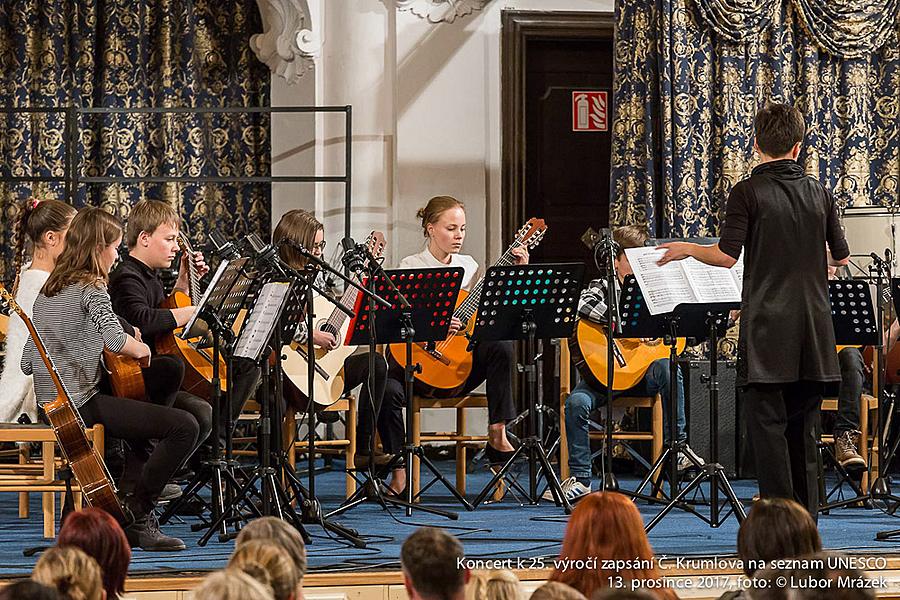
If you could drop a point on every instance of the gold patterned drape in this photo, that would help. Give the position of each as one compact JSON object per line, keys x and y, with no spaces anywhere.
{"x":132,"y":54}
{"x":685,"y":98}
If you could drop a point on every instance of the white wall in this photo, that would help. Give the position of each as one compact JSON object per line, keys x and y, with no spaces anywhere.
{"x":426,"y":112}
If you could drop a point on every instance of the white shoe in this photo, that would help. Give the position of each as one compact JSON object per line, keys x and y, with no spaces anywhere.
{"x":572,"y":489}
{"x":687,"y":458}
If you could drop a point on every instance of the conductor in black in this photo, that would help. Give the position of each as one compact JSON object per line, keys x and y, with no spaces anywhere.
{"x":782,"y":219}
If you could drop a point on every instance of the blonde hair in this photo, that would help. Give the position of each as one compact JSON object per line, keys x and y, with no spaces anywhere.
{"x":278,"y":532}
{"x":431,"y":212}
{"x":494,"y":585}
{"x":629,"y":236}
{"x":555,"y":590}
{"x":147,"y":215}
{"x":74,"y":574}
{"x":299,"y":226}
{"x":232,"y":584}
{"x":269,"y":563}
{"x":90,"y":232}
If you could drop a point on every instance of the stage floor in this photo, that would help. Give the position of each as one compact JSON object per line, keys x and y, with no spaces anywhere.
{"x":502,"y":530}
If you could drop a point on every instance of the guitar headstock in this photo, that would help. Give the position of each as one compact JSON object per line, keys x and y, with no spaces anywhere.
{"x":375,"y":244}
{"x":6,"y":299}
{"x":531,"y":233}
{"x":184,"y":242}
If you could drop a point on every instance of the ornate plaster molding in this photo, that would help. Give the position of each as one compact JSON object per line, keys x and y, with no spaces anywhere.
{"x":291,"y":39}
{"x":441,"y":11}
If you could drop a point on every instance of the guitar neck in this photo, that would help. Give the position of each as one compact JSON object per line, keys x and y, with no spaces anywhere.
{"x":469,"y":306}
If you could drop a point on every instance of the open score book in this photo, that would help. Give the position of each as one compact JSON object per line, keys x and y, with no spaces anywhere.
{"x":687,"y":281}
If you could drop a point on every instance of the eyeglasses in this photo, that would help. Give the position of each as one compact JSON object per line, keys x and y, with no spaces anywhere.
{"x":320,"y":246}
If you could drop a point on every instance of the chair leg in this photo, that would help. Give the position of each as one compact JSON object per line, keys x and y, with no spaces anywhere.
{"x":48,"y":499}
{"x":563,"y":441}
{"x":657,"y":443}
{"x":350,"y":487}
{"x":24,"y":456}
{"x":864,"y":440}
{"x":461,"y":451}
{"x":416,"y":435}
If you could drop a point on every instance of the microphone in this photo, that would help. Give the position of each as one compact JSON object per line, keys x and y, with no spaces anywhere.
{"x":354,"y":257}
{"x":222,"y":247}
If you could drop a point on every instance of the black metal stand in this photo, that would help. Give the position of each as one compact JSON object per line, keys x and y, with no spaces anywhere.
{"x":515,"y":304}
{"x":712,"y":471}
{"x":376,"y":324}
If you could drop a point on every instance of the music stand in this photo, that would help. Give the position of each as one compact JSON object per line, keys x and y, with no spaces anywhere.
{"x":430,"y":296}
{"x":255,"y":343}
{"x":853,"y":318}
{"x":525,"y":302}
{"x":212,"y":322}
{"x":698,"y":321}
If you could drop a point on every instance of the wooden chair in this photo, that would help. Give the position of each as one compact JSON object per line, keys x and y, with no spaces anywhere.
{"x":867,"y":446}
{"x":39,"y":474}
{"x":293,"y":446}
{"x":458,"y":436}
{"x":654,"y":436}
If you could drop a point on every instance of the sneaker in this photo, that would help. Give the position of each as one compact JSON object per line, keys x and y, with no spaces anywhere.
{"x":845,"y":451}
{"x":687,"y":459}
{"x":144,"y":533}
{"x":572,"y":489}
{"x":170,"y":492}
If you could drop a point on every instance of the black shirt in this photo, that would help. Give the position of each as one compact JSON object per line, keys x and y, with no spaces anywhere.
{"x":137,"y":293}
{"x":782,"y":218}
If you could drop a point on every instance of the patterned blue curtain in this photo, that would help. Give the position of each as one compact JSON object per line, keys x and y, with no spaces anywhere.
{"x":691,"y":74}
{"x":135,"y":53}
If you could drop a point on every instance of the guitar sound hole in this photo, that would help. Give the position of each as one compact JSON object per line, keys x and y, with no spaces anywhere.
{"x":329,"y":329}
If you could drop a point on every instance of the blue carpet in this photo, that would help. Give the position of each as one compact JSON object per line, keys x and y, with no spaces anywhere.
{"x":506,"y":529}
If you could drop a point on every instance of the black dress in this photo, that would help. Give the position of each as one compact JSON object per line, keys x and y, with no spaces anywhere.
{"x":782,"y":218}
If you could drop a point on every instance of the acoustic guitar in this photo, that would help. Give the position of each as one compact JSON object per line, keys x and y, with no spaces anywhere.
{"x":198,"y":368}
{"x":446,"y":365}
{"x":4,"y":327}
{"x":125,"y":375}
{"x":328,"y":384}
{"x":86,"y":463}
{"x":632,"y":356}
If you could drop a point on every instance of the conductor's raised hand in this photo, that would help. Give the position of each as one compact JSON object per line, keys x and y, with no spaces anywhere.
{"x":674,"y":251}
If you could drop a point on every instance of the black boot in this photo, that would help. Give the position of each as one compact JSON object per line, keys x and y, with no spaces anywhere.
{"x":144,"y":531}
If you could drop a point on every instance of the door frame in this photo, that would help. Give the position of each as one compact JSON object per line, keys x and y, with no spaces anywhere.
{"x":517,"y":28}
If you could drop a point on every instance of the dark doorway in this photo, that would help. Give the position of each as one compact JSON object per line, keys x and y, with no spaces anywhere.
{"x":553,"y":168}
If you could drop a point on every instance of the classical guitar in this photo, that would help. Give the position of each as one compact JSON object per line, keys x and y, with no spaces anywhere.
{"x":328,"y":384}
{"x":125,"y":375}
{"x":87,"y":464}
{"x":446,"y":365}
{"x":632,"y":357}
{"x":198,"y":369}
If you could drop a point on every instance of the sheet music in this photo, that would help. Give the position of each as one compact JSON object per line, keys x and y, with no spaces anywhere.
{"x":261,"y":322}
{"x":687,"y":281}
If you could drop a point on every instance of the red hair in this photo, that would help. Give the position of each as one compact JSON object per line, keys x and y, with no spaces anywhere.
{"x":604,"y":526}
{"x":97,"y":533}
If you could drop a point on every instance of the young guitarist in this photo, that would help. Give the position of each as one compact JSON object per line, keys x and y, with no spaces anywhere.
{"x":137,"y":295}
{"x":782,"y":219}
{"x":444,"y":227}
{"x":44,"y":225}
{"x":585,"y":398}
{"x":302,"y":227}
{"x":74,"y":317}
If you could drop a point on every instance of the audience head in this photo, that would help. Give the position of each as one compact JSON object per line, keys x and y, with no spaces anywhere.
{"x":605,"y":525}
{"x":776,"y":528}
{"x":494,"y":585}
{"x":268,"y":563}
{"x":231,"y":584}
{"x":779,"y":131}
{"x":28,"y":590}
{"x":278,"y":532}
{"x":97,"y":533}
{"x":74,"y":574}
{"x":91,"y":249}
{"x":430,"y":560}
{"x":622,"y":594}
{"x":817,"y":576}
{"x":554,"y":590}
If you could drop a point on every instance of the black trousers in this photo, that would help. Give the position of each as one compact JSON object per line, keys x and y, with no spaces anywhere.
{"x":136,"y":422}
{"x":492,"y":363}
{"x":781,"y":425}
{"x":160,"y":380}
